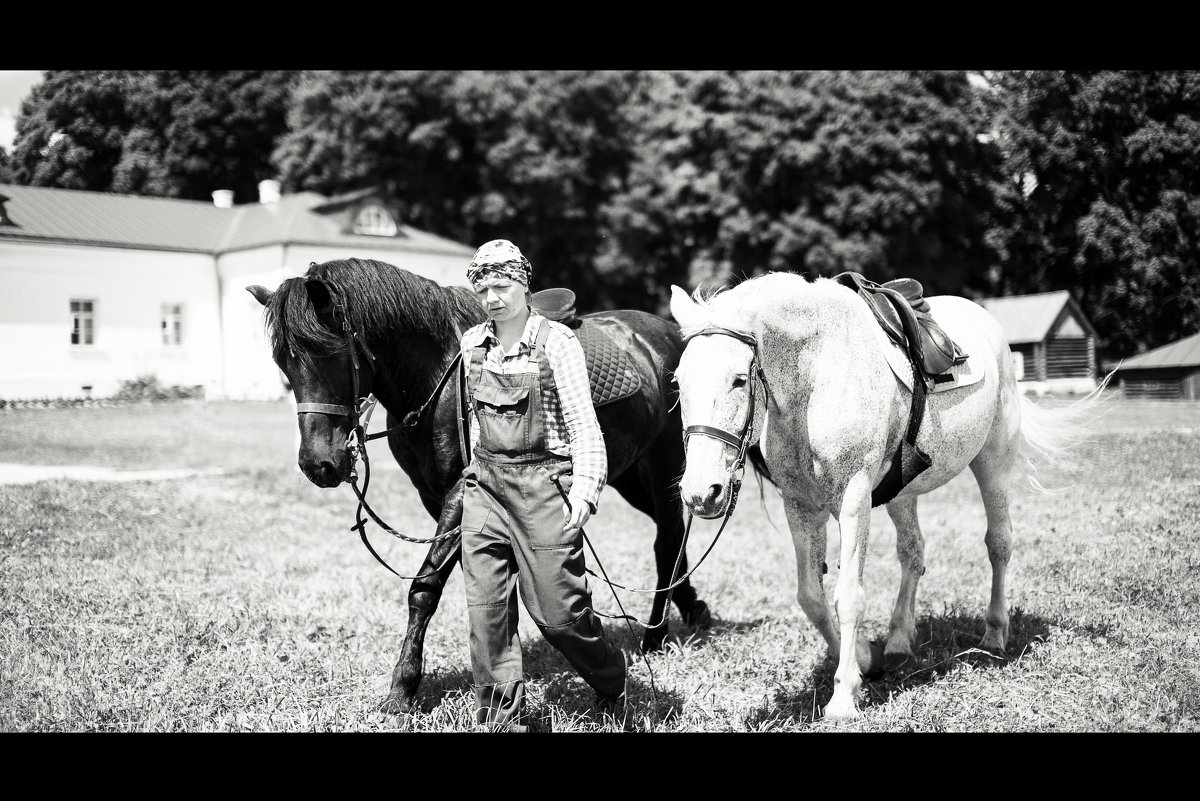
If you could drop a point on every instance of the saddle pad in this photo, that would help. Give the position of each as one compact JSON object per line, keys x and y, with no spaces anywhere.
{"x":610,"y":370}
{"x":962,"y":375}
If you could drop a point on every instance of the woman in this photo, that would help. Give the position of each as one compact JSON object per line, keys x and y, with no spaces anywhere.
{"x":531,"y":422}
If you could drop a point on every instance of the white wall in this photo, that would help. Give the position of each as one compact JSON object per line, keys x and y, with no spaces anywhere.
{"x":37,"y":283}
{"x":225,"y":348}
{"x":249,"y":373}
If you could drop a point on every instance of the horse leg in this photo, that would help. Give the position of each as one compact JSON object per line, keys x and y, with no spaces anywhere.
{"x":855,"y":657}
{"x":910,"y":551}
{"x":645,"y":490}
{"x":423,"y":597}
{"x":992,"y":470}
{"x":808,"y":538}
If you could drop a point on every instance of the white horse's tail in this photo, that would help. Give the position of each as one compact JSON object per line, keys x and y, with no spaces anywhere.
{"x":1050,"y":435}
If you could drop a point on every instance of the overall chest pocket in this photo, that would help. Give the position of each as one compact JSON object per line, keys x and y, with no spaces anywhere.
{"x":503,"y":400}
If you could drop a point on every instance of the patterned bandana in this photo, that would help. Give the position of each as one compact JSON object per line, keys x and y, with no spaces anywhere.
{"x":500,"y":257}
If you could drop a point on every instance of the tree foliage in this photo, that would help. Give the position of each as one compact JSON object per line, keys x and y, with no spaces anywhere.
{"x":160,"y":133}
{"x":620,"y":183}
{"x":812,"y":172}
{"x":527,"y":156}
{"x":1105,"y":195}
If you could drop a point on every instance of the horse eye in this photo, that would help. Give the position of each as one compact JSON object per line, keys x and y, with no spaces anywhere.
{"x":739,"y":381}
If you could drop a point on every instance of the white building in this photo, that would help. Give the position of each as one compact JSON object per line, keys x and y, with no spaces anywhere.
{"x":97,"y":289}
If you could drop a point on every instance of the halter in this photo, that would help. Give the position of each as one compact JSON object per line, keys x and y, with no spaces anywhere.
{"x":352,"y":336}
{"x":740,"y":441}
{"x":360,"y":417}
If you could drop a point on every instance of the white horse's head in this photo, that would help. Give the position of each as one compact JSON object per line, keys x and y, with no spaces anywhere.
{"x":722,"y":396}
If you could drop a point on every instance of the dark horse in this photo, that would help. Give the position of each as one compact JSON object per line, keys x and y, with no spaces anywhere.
{"x":411,"y":326}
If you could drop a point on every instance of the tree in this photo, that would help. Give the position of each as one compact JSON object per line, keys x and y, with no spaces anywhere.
{"x":526,"y":156}
{"x":1105,"y":198}
{"x":737,"y":173}
{"x":158,"y":133}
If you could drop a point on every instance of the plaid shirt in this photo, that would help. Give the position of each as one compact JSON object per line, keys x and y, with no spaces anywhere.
{"x":571,"y":426}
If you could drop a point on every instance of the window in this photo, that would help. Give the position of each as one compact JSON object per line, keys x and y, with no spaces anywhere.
{"x":172,"y":324}
{"x":374,"y":221}
{"x":83,"y":322}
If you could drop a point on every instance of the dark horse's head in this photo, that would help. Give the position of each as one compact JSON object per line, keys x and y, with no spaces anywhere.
{"x":329,"y":331}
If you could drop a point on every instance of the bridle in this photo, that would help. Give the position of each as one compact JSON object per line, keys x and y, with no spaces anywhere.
{"x":356,"y":442}
{"x":742,"y":441}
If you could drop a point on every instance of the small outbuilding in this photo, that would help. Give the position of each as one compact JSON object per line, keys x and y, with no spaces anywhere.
{"x":1052,"y":342}
{"x":1170,"y":372}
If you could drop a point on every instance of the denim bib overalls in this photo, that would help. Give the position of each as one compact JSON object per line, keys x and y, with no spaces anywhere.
{"x":512,"y":536}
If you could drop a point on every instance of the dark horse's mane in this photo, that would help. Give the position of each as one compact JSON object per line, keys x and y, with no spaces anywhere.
{"x":381,"y":302}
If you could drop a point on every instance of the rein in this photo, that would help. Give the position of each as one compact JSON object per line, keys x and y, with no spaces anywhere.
{"x":741,"y":441}
{"x":360,"y":417}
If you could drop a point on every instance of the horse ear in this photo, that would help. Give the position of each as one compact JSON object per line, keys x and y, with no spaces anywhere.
{"x":683,"y":308}
{"x":260,"y":293}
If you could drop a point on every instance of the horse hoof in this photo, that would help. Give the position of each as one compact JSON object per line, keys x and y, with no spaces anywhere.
{"x":840,"y":711}
{"x":982,"y":654}
{"x":652,"y":639}
{"x":388,"y":721}
{"x":394,"y":707}
{"x":898,"y":660}
{"x":871,"y":663}
{"x":698,"y":617}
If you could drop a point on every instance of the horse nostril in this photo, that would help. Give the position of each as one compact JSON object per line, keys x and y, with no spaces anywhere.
{"x":714,"y":490}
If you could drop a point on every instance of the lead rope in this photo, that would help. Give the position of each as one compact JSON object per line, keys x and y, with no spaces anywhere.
{"x":357,"y":446}
{"x":624,"y":616}
{"x":670,"y":589}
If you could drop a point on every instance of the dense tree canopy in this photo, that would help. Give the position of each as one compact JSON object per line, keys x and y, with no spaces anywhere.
{"x":813,"y":172}
{"x":527,"y":156}
{"x":1105,"y":192}
{"x":160,"y":133}
{"x":620,"y":183}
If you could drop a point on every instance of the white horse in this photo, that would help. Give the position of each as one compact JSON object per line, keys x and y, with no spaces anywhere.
{"x":805,"y":369}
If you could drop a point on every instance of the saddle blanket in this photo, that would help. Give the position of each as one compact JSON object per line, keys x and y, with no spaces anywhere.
{"x":961,"y":375}
{"x":610,"y":370}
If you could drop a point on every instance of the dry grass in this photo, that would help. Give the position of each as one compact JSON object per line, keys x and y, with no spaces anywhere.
{"x":242,"y":602}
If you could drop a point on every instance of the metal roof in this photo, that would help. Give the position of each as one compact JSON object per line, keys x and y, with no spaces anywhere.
{"x":102,"y":218}
{"x":1183,"y":353}
{"x":1027,"y":318}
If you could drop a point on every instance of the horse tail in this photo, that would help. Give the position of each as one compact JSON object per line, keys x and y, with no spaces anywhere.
{"x":1050,"y":435}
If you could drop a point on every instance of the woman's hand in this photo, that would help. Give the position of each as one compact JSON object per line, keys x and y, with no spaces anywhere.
{"x":576,"y":514}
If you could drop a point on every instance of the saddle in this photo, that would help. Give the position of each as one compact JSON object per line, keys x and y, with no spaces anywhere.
{"x":611,"y":373}
{"x":902,"y":310}
{"x":900,"y":307}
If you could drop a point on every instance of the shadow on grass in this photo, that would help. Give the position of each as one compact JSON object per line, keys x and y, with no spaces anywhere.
{"x":435,"y":689}
{"x":943,"y":641}
{"x":558,"y":682}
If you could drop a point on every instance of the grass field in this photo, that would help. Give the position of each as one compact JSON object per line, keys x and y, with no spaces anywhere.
{"x":243,"y":602}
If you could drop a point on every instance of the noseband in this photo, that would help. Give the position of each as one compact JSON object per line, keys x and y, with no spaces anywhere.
{"x":741,"y":442}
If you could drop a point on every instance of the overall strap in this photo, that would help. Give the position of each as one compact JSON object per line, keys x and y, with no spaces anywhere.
{"x":474,"y":370}
{"x":538,"y":351}
{"x":462,"y":397}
